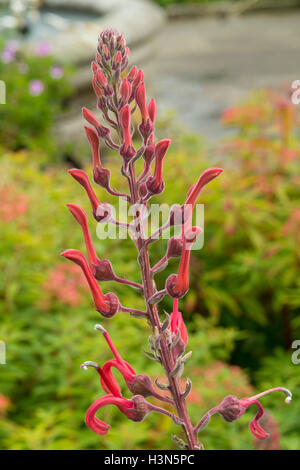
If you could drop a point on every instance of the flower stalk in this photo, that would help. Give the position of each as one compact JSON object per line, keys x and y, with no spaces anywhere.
{"x":119,"y":94}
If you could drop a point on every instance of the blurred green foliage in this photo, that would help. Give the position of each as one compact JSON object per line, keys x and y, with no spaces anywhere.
{"x":242,"y":308}
{"x":37,"y":89}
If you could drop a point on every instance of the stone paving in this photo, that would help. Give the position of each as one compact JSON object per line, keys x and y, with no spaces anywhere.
{"x":206,"y":65}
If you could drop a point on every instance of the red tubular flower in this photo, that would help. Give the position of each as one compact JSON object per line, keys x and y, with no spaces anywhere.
{"x":132,"y":74}
{"x":83,"y":179}
{"x":106,"y":52}
{"x":81,"y":218}
{"x":177,"y":285}
{"x":97,"y":90}
{"x":117,"y":61}
{"x":108,"y":382}
{"x":205,"y":178}
{"x":125,"y":116}
{"x":155,"y":184}
{"x":152,"y":110}
{"x":140,"y":384}
{"x":94,"y":66}
{"x":138,"y":79}
{"x":101,"y":78}
{"x":231,"y":409}
{"x":125,"y":90}
{"x":127,"y":151}
{"x":94,"y":142}
{"x":101,"y":175}
{"x":107,"y":305}
{"x":91,"y":119}
{"x":124,"y":367}
{"x":140,"y":98}
{"x":127,"y":407}
{"x":177,"y":325}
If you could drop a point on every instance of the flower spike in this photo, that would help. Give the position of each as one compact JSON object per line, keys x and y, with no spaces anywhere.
{"x":119,"y":94}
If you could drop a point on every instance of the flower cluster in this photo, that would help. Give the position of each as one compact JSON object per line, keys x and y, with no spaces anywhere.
{"x":120,"y":93}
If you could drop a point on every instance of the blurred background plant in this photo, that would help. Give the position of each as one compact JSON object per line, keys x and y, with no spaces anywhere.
{"x":38,"y":90}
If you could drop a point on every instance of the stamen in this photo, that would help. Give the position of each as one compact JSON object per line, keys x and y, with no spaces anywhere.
{"x":87,"y":364}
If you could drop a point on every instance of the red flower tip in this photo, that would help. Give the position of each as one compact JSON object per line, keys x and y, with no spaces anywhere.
{"x":138,"y":79}
{"x":94,"y":142}
{"x":152,"y":110}
{"x":205,"y":178}
{"x":101,"y":78}
{"x":105,"y":305}
{"x":176,"y":326}
{"x":125,"y":406}
{"x":97,"y":90}
{"x":125,"y":90}
{"x":105,"y":52}
{"x":117,"y":60}
{"x":177,"y":323}
{"x":83,"y":179}
{"x":132,"y":74}
{"x":94,"y":66}
{"x":91,"y":118}
{"x":161,"y":149}
{"x":79,"y":214}
{"x":177,"y":285}
{"x":140,"y":98}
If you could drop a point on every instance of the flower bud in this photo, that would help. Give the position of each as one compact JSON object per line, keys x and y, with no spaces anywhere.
{"x":125,"y":90}
{"x":132,"y":74}
{"x":103,"y":271}
{"x":142,"y":385}
{"x":141,"y":408}
{"x":175,"y":246}
{"x":101,"y":78}
{"x":230,"y":408}
{"x":152,"y":110}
